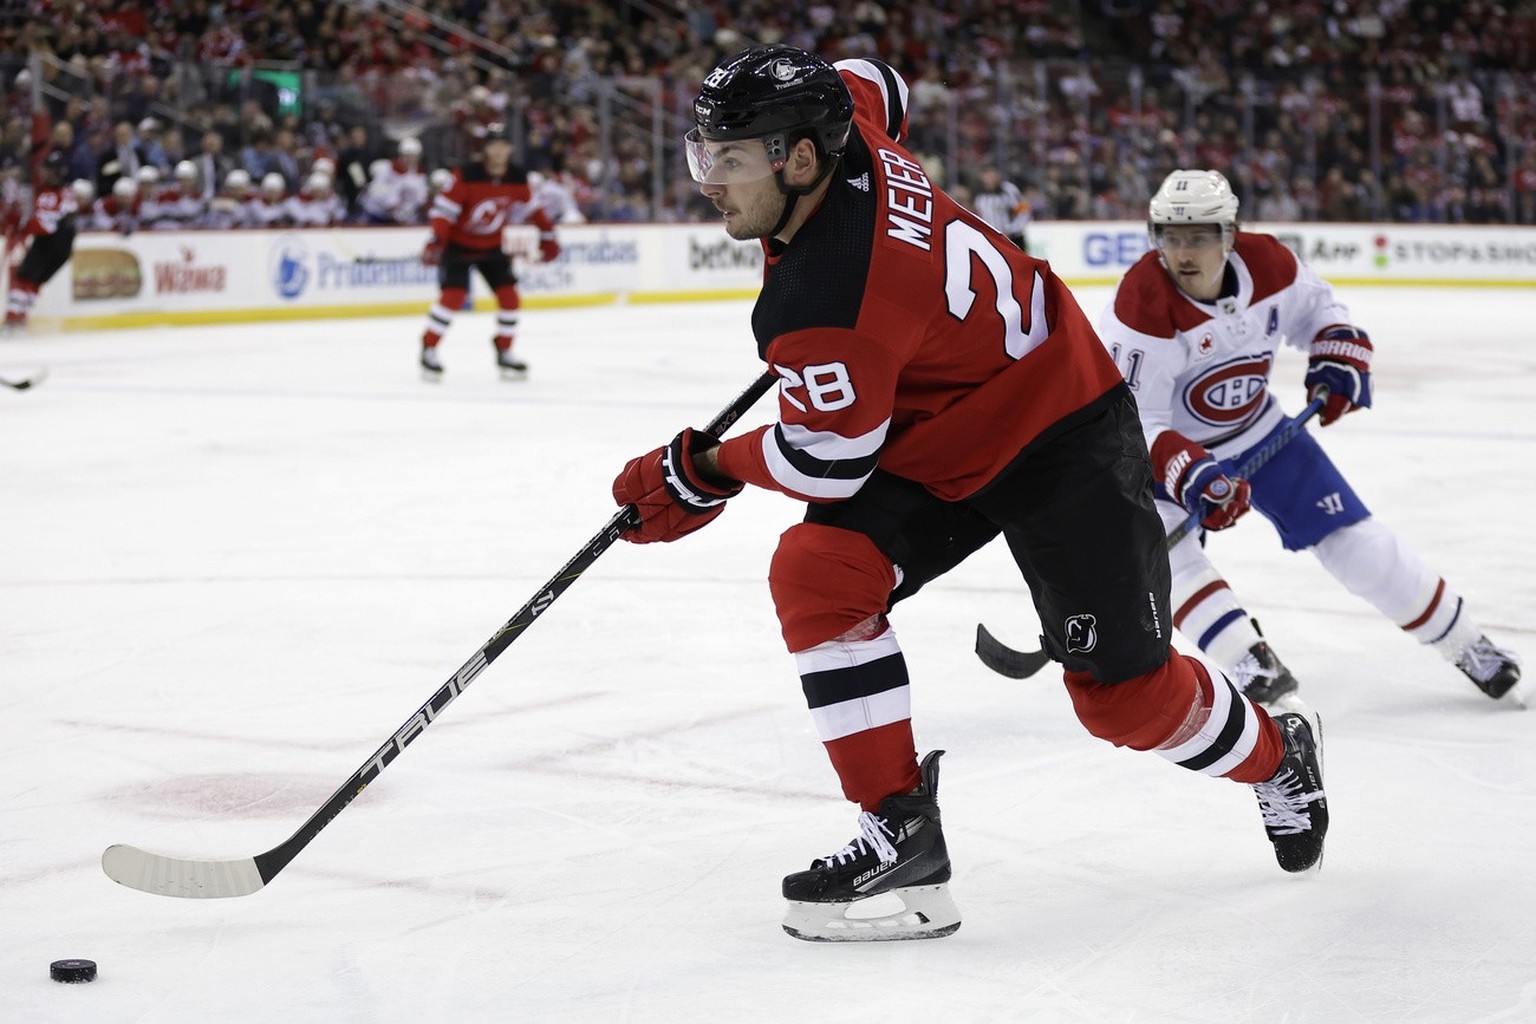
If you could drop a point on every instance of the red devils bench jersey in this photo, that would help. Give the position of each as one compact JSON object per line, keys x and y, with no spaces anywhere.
{"x":906,"y":332}
{"x":472,"y":210}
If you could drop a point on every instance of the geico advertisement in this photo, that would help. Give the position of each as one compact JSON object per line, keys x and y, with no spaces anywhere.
{"x":1451,"y":253}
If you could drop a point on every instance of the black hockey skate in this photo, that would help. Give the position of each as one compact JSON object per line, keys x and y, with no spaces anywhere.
{"x":1294,"y":806}
{"x":1262,"y":677}
{"x":890,"y":882}
{"x":1492,"y":669}
{"x":511,"y":368}
{"x":431,"y":365}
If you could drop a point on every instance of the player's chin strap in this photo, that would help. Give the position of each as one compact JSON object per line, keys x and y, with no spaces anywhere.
{"x":792,"y":196}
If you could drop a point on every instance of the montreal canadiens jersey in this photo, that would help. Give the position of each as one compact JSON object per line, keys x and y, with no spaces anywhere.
{"x":1202,"y":368}
{"x":907,"y":334}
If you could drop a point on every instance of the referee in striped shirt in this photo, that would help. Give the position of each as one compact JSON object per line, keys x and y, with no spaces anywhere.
{"x":1002,"y":205}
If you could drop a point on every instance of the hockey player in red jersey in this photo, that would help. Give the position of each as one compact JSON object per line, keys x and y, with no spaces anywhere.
{"x":1194,"y":327}
{"x":938,"y":387}
{"x":468,"y":218}
{"x":50,"y":230}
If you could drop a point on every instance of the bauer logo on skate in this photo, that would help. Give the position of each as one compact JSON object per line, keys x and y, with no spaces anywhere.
{"x":1229,"y":394}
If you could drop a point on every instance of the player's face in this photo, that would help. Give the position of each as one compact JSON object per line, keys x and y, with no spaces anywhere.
{"x":498,"y":152}
{"x":1195,"y":255}
{"x":738,"y":178}
{"x":732,"y":162}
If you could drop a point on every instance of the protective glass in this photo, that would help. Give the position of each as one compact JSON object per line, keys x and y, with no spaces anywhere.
{"x":736,"y":162}
{"x":1202,"y":238}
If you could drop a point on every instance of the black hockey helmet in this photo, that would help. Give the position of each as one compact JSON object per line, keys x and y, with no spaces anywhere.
{"x":55,"y":163}
{"x":777,"y":93}
{"x":496,"y":131}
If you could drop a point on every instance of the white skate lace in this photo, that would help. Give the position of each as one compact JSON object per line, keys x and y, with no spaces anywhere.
{"x":1284,"y":805}
{"x":1247,"y":670}
{"x":1482,"y":660}
{"x":873,"y":832}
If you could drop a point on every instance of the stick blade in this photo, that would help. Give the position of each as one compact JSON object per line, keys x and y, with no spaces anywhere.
{"x":186,"y":879}
{"x":26,"y":382}
{"x":1004,"y":660}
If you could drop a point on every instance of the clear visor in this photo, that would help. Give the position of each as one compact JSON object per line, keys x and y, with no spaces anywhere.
{"x":735,"y":162}
{"x":1195,"y":237}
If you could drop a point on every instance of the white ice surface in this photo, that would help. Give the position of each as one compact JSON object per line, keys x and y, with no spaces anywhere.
{"x":233,"y":560}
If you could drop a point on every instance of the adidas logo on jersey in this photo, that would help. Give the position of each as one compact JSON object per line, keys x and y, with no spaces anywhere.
{"x":861,"y":182}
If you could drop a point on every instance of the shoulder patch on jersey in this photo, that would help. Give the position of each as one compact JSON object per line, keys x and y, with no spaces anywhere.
{"x":1270,"y":263}
{"x":879,"y":93}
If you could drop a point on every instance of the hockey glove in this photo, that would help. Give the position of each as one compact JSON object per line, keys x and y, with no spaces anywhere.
{"x":668,"y":492}
{"x":549,"y":249}
{"x":1192,"y":477}
{"x":1340,"y":361}
{"x":432,"y":253}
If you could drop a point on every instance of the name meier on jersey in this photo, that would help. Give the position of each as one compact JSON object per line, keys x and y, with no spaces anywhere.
{"x":908,"y":190}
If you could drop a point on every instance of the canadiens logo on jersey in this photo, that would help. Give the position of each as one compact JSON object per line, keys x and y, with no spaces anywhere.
{"x":1231,"y":393}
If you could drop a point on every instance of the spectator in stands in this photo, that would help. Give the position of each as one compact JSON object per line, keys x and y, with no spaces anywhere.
{"x":1277,"y":205}
{"x":212,"y":163}
{"x":151,"y":143}
{"x":123,"y":160}
{"x":352,"y":164}
{"x":258,"y":158}
{"x":285,"y":157}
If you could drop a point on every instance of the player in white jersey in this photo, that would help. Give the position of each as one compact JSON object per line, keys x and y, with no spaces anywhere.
{"x":1194,"y":327}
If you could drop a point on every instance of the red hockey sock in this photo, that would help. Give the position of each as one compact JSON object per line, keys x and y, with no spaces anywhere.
{"x":875,"y":763}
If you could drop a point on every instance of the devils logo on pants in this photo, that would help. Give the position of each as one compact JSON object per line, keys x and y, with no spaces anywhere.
{"x":1082,"y":637}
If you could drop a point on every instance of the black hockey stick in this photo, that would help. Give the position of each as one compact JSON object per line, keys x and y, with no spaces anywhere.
{"x":26,"y":382}
{"x":206,"y":879}
{"x":1006,"y":661}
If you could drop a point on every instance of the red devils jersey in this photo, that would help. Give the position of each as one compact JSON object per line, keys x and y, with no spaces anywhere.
{"x":907,"y":334}
{"x":50,"y":207}
{"x":471,"y":212}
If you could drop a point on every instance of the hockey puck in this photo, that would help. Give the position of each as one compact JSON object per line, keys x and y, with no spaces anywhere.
{"x":72,"y":971}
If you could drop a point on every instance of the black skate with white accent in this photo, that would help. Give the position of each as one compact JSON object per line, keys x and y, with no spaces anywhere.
{"x":511,"y":368}
{"x":1293,"y":803}
{"x":1262,"y":677}
{"x":431,"y":365}
{"x":890,"y":882}
{"x":1492,"y":669}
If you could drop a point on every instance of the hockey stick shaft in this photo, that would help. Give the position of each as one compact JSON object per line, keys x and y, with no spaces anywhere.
{"x":1014,"y":664}
{"x":170,"y":876}
{"x":1255,"y":462}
